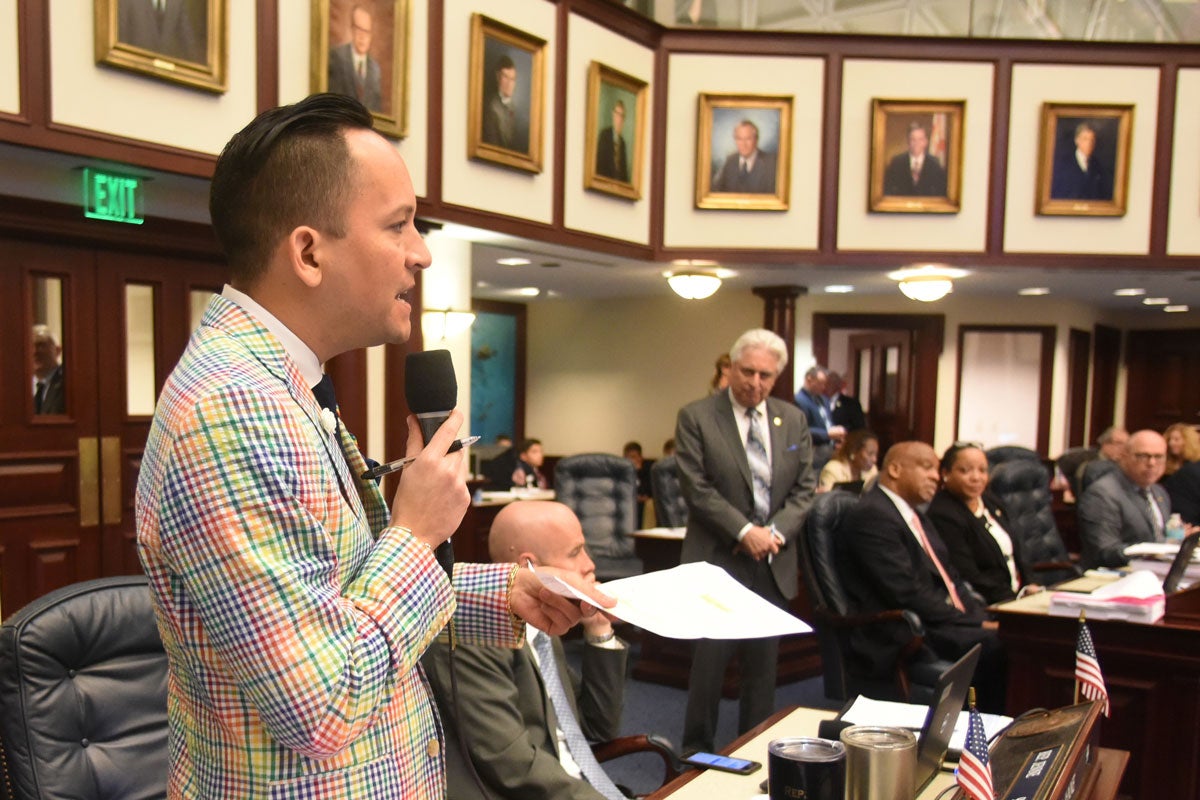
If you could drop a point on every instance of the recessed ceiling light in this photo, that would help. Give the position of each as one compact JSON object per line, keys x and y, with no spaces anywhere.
{"x":1034,"y":291}
{"x":513,"y":261}
{"x":1175,"y":309}
{"x":839,"y":288}
{"x":1129,"y":292}
{"x":528,"y":291}
{"x":1155,"y":301}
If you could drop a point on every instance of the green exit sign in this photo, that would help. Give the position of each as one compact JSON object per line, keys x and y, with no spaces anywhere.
{"x":116,"y":198}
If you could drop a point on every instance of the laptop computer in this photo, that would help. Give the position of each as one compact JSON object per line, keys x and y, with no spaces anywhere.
{"x":1179,"y":566}
{"x":949,"y":697}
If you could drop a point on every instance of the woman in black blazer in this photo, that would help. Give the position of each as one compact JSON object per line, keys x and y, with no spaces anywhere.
{"x":972,"y":523}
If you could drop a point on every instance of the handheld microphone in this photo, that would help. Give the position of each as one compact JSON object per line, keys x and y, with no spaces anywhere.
{"x":432,"y":393}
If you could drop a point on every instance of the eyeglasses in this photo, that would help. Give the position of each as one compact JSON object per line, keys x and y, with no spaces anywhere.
{"x":1149,"y":458}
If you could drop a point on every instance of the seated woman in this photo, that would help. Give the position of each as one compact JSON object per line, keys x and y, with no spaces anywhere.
{"x":971,"y":522}
{"x":853,"y":461}
{"x":1183,"y":446}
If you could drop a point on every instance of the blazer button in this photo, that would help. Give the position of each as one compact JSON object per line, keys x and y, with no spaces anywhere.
{"x":434,"y":748}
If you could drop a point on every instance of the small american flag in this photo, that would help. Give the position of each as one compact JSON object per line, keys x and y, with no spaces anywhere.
{"x":974,"y":774}
{"x":1087,"y":668}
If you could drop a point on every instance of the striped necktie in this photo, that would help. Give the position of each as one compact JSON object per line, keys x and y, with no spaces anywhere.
{"x":577,"y":743}
{"x":760,"y":468}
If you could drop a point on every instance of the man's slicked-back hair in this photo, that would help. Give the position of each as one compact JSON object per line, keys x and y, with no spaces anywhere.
{"x":290,"y":166}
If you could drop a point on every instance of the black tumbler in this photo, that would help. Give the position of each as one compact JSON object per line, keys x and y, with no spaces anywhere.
{"x":803,"y":768}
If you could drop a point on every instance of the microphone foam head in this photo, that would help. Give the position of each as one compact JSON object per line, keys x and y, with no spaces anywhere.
{"x":429,"y":382}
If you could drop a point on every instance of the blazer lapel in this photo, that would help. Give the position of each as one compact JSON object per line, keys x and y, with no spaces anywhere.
{"x":724,"y":412}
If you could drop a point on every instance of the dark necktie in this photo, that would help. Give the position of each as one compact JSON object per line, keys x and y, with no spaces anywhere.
{"x":327,"y":399}
{"x":577,"y":743}
{"x":760,"y":468}
{"x":39,"y":397}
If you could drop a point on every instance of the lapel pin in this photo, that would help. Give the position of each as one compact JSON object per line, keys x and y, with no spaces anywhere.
{"x":776,"y":421}
{"x":328,"y":421}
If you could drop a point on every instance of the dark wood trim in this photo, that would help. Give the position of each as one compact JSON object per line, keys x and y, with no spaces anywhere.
{"x":1045,"y":375}
{"x":520,"y":311}
{"x":1079,"y":353}
{"x":618,"y":19}
{"x":928,"y":331}
{"x":779,"y":315}
{"x":831,"y":149}
{"x":435,"y":121}
{"x":267,"y":63}
{"x":1106,"y":363}
{"x":1164,"y":148}
{"x":56,"y":223}
{"x":997,"y":191}
{"x":558,"y":153}
{"x":656,"y":153}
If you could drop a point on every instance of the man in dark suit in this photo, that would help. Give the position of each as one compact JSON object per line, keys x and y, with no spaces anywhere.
{"x":513,"y":731}
{"x":748,"y":170}
{"x":745,"y":468}
{"x":352,"y":70}
{"x":611,"y":158}
{"x":49,"y":394}
{"x":1078,"y":174}
{"x":890,"y":556}
{"x":915,"y":173}
{"x":1127,"y":505}
{"x":173,"y":28}
{"x":844,"y":409}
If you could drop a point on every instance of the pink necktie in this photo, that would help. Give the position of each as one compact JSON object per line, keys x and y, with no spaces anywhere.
{"x":916,"y":521}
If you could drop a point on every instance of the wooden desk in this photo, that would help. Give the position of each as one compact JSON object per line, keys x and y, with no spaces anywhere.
{"x":799,"y":721}
{"x":1153,"y":678}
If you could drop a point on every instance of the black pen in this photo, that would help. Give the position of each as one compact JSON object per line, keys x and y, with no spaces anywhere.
{"x":394,"y":466}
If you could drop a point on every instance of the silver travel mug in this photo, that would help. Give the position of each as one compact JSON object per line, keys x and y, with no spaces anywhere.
{"x":881,"y":763}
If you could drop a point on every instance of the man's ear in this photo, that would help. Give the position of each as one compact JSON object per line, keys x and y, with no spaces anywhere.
{"x":303,"y":252}
{"x":528,"y":557}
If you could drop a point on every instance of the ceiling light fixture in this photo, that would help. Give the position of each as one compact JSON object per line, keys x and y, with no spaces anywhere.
{"x":1175,"y":309}
{"x":927,"y":282}
{"x":1156,"y":301}
{"x":439,"y":324}
{"x":693,"y":285}
{"x":513,"y":261}
{"x":1129,"y":292}
{"x":839,"y":288}
{"x":1034,"y":291}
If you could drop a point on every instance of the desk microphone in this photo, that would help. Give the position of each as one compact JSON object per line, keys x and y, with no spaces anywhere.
{"x":432,"y":393}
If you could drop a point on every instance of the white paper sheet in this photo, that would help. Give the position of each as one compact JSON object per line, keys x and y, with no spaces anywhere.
{"x":866,"y":711}
{"x":691,"y":601}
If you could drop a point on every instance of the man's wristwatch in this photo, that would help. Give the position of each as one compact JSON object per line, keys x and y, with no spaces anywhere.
{"x":591,"y":639}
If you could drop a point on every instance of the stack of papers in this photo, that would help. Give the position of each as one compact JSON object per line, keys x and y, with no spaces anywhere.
{"x":1156,"y":557}
{"x":865,"y":711}
{"x":1138,"y":597}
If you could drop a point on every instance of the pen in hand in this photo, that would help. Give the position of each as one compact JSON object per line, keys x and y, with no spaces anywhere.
{"x":399,"y":464}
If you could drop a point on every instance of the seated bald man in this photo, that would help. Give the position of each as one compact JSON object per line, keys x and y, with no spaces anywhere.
{"x":890,"y":556}
{"x":517,"y":739}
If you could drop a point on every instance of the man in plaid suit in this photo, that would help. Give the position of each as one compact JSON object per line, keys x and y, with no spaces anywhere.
{"x":292,"y":602}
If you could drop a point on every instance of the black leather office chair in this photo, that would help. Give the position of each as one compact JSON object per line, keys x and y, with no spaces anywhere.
{"x":602,"y":491}
{"x":670,"y":509}
{"x":916,"y":669}
{"x":1095,"y":469}
{"x":1010,"y":452}
{"x":83,"y":695}
{"x":1023,"y":486}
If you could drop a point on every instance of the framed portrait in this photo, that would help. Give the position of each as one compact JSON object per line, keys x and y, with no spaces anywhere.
{"x":916,"y":156}
{"x":506,"y":95}
{"x":184,"y":41}
{"x":743,"y":152}
{"x":1083,"y":159}
{"x":616,"y":132}
{"x":361,"y":50}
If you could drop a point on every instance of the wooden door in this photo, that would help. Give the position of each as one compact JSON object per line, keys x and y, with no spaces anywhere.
{"x":883,"y":370}
{"x":67,"y":477}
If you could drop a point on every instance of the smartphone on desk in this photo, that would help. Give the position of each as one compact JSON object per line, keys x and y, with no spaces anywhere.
{"x":738,"y":766}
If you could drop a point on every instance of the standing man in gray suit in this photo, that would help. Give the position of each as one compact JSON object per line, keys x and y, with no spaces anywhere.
{"x":1127,"y":505}
{"x":745,"y":467}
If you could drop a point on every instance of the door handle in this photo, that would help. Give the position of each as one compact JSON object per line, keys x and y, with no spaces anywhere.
{"x":89,"y":482}
{"x":110,"y":479}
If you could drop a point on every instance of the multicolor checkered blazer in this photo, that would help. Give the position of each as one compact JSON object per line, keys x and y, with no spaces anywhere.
{"x":292,"y":614}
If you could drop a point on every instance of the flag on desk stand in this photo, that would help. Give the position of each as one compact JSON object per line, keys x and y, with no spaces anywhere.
{"x":974,"y":773}
{"x":1089,"y":680}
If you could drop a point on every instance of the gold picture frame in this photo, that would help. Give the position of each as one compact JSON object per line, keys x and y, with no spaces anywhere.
{"x":907,"y":133}
{"x":186,"y":43}
{"x":1064,"y":186}
{"x":345,"y":35}
{"x":506,"y":95}
{"x":743,"y":152}
{"x":616,"y":104}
